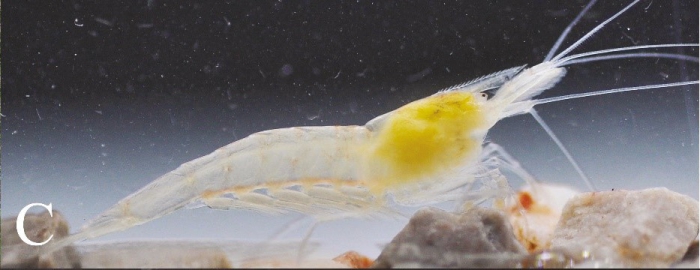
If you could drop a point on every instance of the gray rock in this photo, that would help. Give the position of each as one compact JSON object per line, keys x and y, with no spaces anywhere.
{"x":647,"y":228}
{"x":434,"y":238}
{"x":38,"y":227}
{"x":690,"y":259}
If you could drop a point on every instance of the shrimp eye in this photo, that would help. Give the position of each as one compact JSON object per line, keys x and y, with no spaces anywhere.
{"x":485,"y":95}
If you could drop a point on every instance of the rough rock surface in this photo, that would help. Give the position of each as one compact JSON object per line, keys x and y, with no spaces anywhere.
{"x":647,"y":228}
{"x":38,"y":228}
{"x":434,"y":238}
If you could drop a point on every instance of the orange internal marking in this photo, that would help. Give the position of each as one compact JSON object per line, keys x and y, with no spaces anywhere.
{"x":526,"y":200}
{"x":305,"y":182}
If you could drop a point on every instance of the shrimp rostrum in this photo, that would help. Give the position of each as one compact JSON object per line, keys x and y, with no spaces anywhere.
{"x":424,"y":152}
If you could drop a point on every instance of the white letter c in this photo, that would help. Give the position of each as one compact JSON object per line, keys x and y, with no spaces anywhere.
{"x":20,"y":224}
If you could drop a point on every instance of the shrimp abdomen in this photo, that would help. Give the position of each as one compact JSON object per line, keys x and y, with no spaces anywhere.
{"x":280,"y":157}
{"x":265,"y":160}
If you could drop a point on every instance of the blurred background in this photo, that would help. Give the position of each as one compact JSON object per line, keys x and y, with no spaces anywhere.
{"x":101,"y":98}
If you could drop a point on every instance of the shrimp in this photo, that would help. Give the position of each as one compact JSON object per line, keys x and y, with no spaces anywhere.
{"x":424,"y":152}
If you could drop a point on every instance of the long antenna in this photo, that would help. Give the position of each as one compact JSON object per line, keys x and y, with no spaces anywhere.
{"x":596,"y":29}
{"x":611,"y":91}
{"x":567,"y":30}
{"x":563,"y":149}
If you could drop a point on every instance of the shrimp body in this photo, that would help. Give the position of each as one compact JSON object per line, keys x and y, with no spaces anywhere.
{"x":321,"y":170}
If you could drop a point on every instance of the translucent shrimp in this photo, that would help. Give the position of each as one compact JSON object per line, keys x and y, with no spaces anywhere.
{"x":424,"y":152}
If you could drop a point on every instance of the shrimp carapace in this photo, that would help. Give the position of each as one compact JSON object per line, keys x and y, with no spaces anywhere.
{"x":425,"y":137}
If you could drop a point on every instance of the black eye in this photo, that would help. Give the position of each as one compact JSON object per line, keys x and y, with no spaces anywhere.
{"x":486,"y":95}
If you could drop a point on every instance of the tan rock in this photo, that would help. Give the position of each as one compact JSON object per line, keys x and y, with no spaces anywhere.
{"x":647,"y":228}
{"x":38,"y":228}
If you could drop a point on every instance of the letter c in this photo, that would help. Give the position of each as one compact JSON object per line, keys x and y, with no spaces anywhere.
{"x":20,"y":224}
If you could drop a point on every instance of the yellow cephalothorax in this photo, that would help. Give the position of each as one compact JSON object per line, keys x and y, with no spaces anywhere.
{"x":425,"y":137}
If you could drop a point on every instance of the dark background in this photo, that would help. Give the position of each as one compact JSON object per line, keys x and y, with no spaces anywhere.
{"x":101,"y":97}
{"x":215,"y":53}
